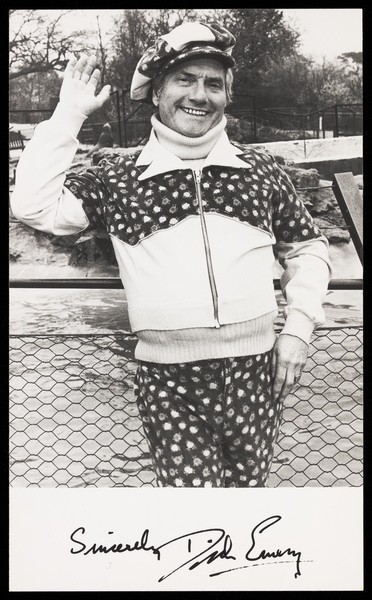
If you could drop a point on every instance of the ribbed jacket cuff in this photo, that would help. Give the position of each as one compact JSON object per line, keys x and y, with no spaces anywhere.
{"x":299,"y":325}
{"x":67,"y":118}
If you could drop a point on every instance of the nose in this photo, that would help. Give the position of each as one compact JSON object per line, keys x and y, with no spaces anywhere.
{"x":197,"y":93}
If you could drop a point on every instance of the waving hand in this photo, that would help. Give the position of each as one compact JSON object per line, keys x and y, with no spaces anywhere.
{"x":79,"y":86}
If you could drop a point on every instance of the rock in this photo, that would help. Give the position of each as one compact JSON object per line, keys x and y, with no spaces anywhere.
{"x":338,"y":236}
{"x":105,"y":140}
{"x":14,"y":256}
{"x":279,"y":159}
{"x":323,"y":201}
{"x":92,"y":247}
{"x":302,"y":177}
{"x":334,"y":232}
{"x":29,"y":245}
{"x":359,"y":182}
{"x":239,"y":130}
{"x":232,"y":125}
{"x":112,"y":153}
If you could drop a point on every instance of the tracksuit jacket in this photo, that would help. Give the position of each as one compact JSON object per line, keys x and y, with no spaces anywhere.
{"x":194,"y":248}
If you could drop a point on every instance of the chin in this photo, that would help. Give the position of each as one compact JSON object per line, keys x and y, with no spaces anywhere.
{"x":193,"y":131}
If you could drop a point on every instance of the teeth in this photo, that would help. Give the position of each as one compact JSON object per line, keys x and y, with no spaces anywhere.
{"x":193,"y":111}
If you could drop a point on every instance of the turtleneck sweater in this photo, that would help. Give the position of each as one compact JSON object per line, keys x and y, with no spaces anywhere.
{"x":202,"y":343}
{"x":187,"y":148}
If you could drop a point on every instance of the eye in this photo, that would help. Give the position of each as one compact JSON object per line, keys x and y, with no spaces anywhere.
{"x":215,"y":85}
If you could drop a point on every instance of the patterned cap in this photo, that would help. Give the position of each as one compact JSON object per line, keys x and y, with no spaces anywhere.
{"x":182,"y":43}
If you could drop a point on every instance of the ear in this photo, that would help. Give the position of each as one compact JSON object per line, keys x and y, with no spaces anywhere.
{"x":155,"y":97}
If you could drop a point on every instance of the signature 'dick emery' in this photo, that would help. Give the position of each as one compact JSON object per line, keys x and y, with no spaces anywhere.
{"x":214,"y":543}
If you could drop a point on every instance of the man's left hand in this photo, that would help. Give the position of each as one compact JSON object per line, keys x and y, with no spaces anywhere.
{"x":289,"y":358}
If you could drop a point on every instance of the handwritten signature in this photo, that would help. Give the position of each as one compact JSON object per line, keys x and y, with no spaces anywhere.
{"x":215,"y":544}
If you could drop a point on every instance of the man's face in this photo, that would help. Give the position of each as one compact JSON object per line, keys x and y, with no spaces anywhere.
{"x":193,"y":97}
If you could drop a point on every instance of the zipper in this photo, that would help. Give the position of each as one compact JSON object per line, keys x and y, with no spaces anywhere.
{"x":212,"y":281}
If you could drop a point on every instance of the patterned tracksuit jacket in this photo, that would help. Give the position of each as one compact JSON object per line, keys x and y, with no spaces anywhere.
{"x":195,"y":249}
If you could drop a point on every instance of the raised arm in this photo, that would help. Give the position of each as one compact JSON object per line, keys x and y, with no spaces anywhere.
{"x":40,"y":199}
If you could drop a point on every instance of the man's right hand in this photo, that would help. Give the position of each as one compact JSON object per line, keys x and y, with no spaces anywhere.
{"x":80,"y":83}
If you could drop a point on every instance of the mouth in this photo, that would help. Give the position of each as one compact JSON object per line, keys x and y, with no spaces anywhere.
{"x":195,"y":112}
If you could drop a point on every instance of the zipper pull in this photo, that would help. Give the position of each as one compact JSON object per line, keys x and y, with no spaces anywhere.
{"x":198,"y":176}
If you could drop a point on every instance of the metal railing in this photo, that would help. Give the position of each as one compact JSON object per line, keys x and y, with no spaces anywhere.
{"x":278,"y":124}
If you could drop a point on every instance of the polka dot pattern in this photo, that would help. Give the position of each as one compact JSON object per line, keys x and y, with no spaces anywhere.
{"x":209,"y":423}
{"x":261,"y":195}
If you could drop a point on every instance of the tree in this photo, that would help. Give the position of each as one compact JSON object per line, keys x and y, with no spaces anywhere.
{"x":162,"y":20}
{"x":286,"y":82}
{"x":102,"y":53}
{"x":352,"y":63}
{"x":355,"y":57}
{"x":335,"y":82}
{"x":34,"y":90}
{"x":129,"y":40}
{"x":37,"y":44}
{"x":262,"y":36}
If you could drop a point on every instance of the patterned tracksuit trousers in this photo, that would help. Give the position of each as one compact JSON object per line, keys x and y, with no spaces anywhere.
{"x":210,"y":423}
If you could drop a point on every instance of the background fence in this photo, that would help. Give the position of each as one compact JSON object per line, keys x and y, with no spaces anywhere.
{"x":259,"y":124}
{"x":130,"y":121}
{"x":74,"y":420}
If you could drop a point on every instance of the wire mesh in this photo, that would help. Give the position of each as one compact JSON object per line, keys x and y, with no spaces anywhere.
{"x":74,"y":420}
{"x":321,"y":441}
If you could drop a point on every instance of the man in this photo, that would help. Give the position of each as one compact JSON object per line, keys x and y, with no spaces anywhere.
{"x":193,"y":220}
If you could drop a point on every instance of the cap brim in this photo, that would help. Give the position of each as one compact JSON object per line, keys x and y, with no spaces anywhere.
{"x":224,"y":58}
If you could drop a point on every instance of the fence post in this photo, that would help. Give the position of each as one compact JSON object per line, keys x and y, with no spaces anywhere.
{"x":303,"y":125}
{"x":119,"y":117}
{"x":254,"y":120}
{"x":123,"y":92}
{"x":319,"y":125}
{"x":337,"y":133}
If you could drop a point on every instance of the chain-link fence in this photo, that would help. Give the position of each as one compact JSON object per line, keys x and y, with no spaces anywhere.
{"x":74,"y":420}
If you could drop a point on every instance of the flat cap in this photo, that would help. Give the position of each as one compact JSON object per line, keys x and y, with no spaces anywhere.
{"x":186,"y":41}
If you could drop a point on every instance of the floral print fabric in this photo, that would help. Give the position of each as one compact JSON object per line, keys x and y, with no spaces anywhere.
{"x":261,"y":196}
{"x":209,"y":423}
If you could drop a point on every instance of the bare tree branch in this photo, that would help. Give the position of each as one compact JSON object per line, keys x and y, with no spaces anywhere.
{"x":37,"y":44}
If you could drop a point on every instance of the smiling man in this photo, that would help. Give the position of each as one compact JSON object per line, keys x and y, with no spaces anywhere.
{"x":193,"y":220}
{"x":191,"y":99}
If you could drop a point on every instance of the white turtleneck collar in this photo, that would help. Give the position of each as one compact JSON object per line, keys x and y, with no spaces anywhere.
{"x":187,"y":148}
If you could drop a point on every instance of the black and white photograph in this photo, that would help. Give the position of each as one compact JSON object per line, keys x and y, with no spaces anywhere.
{"x":170,"y":171}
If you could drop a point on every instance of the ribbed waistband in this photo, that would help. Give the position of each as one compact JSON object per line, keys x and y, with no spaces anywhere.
{"x":200,"y":343}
